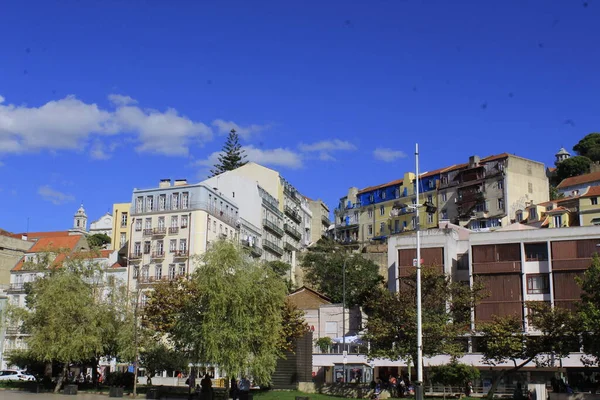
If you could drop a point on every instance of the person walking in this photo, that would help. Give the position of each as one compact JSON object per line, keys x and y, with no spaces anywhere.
{"x":234,"y":389}
{"x":244,"y":388}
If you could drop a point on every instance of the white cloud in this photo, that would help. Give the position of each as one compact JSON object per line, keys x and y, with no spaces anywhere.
{"x":327,"y":145}
{"x":54,"y":196}
{"x":324,"y":156}
{"x":224,"y":127}
{"x":278,"y":157}
{"x":388,"y":155}
{"x":121,"y":100}
{"x":98,"y":151}
{"x":1,"y":163}
{"x":69,"y":123}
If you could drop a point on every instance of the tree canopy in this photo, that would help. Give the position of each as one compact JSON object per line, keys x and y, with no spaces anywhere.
{"x":589,"y":146}
{"x":454,"y":374}
{"x":589,"y":312}
{"x":232,"y":155}
{"x":159,"y":357}
{"x":323,"y":267}
{"x":232,"y":313}
{"x":98,"y":240}
{"x":391,"y":325}
{"x":573,"y":166}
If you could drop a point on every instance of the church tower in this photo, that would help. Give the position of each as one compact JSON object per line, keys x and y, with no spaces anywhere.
{"x":561,"y":156}
{"x":80,"y":219}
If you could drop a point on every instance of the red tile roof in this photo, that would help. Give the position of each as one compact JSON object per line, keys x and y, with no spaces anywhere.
{"x":52,"y":243}
{"x":579,"y":180}
{"x":593,"y":191}
{"x":116,"y":265}
{"x":557,"y":209}
{"x":38,"y":235}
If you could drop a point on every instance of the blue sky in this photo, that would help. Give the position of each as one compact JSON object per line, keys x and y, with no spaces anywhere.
{"x":100,"y":97}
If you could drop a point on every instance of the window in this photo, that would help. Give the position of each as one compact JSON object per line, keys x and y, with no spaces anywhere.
{"x":145,"y":272}
{"x":558,"y":221}
{"x":184,"y":221}
{"x":172,"y":271}
{"x":383,"y":194}
{"x":214,"y":226}
{"x":495,"y":223}
{"x":137,"y":248}
{"x":147,"y":247}
{"x":122,"y":239}
{"x":160,"y":247}
{"x":143,"y":300}
{"x":139,"y":204}
{"x":414,"y":201}
{"x":185,"y":200}
{"x":519,"y":216}
{"x":500,"y":204}
{"x":501,"y":184}
{"x":331,"y":327}
{"x":182,"y":269}
{"x":175,"y":201}
{"x":124,"y":220}
{"x":480,"y":207}
{"x":444,"y":214}
{"x":396,"y":193}
{"x":371,"y":198}
{"x":173,"y":245}
{"x":594,"y":201}
{"x":148,"y":223}
{"x":382,"y":210}
{"x":162,"y":202}
{"x":370,"y":230}
{"x":370,"y":213}
{"x":161,"y":223}
{"x":396,"y":226}
{"x":444,"y":196}
{"x":149,"y":203}
{"x":174,"y":221}
{"x":183,"y":245}
{"x":382,"y":228}
{"x":536,"y":252}
{"x":430,"y":198}
{"x":529,"y":169}
{"x":136,"y":272}
{"x":138,"y":225}
{"x":533,"y":214}
{"x":530,"y":187}
{"x":538,"y":284}
{"x":158,"y":272}
{"x":430,"y":218}
{"x":414,"y":222}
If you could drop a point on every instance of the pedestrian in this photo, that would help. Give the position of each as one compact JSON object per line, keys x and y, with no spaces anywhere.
{"x":206,"y":390}
{"x":244,"y":388}
{"x":234,"y":389}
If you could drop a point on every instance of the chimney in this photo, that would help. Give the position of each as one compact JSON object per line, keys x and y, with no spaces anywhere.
{"x":474,"y":161}
{"x":24,"y":236}
{"x":164,"y":183}
{"x":180,"y":182}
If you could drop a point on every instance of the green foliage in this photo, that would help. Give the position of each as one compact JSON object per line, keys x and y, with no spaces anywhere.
{"x":589,"y":146}
{"x":589,"y":311}
{"x":293,"y":326}
{"x":454,"y":374}
{"x":324,"y":343}
{"x":391,"y":326}
{"x":555,"y":194}
{"x":120,"y":379}
{"x":98,"y":240}
{"x":323,"y":267}
{"x":281,"y":268}
{"x":232,"y":156}
{"x":230,"y":315}
{"x":573,"y":166}
{"x":26,"y":360}
{"x":158,"y":358}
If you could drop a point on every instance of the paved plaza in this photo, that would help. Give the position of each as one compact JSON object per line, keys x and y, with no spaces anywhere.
{"x":20,"y":395}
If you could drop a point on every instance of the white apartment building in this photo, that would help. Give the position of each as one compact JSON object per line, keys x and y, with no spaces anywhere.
{"x":307,"y":217}
{"x":320,"y":219}
{"x":170,"y":224}
{"x":272,"y":203}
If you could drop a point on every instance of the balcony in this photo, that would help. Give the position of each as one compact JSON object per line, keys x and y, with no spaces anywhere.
{"x":135,"y":256}
{"x":500,"y":267}
{"x":289,"y":247}
{"x":272,"y":227}
{"x":174,"y":230}
{"x":158,"y":254}
{"x":16,"y":288}
{"x":571,"y":264}
{"x":254,"y":250}
{"x":272,"y":247}
{"x":148,"y":232}
{"x":293,"y":214}
{"x":325,"y":220}
{"x":160,"y":231}
{"x":292,"y":231}
{"x":180,"y":254}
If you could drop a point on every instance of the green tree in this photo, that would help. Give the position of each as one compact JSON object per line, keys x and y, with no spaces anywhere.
{"x":324,"y":343}
{"x":159,"y":357}
{"x":98,"y":240}
{"x":454,"y":374}
{"x":573,"y":166}
{"x":293,"y":326}
{"x":504,"y":340}
{"x":323,"y":267}
{"x":554,"y":193}
{"x":232,"y":155}
{"x":589,"y":311}
{"x":391,"y":325}
{"x":589,"y":146}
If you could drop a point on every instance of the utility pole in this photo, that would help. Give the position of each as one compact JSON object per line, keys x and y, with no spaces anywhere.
{"x":419,"y":383}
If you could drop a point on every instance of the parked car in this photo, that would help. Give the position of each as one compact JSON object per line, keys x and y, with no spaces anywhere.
{"x":15,"y":375}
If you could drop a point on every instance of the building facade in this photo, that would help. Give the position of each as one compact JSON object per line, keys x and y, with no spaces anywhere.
{"x":576,"y":185}
{"x":120,"y":225}
{"x":103,"y":225}
{"x":173,"y":222}
{"x":320,"y":222}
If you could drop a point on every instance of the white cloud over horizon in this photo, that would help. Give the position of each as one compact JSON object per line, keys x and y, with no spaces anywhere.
{"x":326,"y":147}
{"x":54,"y":196}
{"x":388,"y":155}
{"x":73,"y":125}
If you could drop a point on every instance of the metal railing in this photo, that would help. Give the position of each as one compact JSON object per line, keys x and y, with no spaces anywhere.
{"x":173,"y":230}
{"x":293,"y":214}
{"x":159,"y":231}
{"x":272,"y":227}
{"x":134,"y":256}
{"x":158,"y":254}
{"x":267,"y":244}
{"x":292,"y":231}
{"x":180,"y":253}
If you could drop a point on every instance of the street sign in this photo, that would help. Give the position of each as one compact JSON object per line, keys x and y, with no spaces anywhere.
{"x":415,"y":262}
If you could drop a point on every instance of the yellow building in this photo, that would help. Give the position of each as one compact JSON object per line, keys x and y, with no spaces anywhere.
{"x":121,"y":223}
{"x":589,"y":209}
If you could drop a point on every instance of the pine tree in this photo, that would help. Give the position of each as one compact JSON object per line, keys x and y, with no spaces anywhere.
{"x":232,"y":156}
